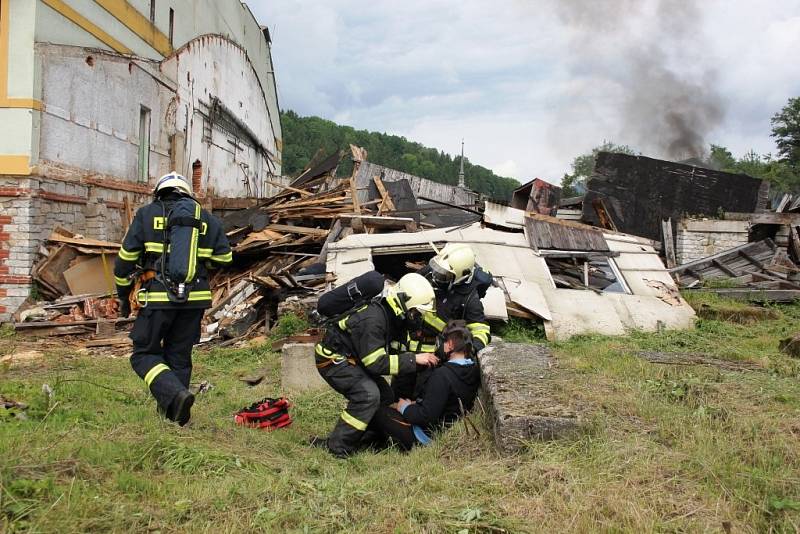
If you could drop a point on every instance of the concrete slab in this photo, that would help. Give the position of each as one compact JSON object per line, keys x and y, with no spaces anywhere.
{"x":519,"y":391}
{"x":298,"y":369}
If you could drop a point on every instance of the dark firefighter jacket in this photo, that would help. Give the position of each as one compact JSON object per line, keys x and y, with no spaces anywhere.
{"x":143,"y":246}
{"x":371,"y":335}
{"x":460,"y":302}
{"x":437,"y":404}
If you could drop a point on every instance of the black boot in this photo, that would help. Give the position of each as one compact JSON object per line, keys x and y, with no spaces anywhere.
{"x":180,"y":409}
{"x":322,"y":443}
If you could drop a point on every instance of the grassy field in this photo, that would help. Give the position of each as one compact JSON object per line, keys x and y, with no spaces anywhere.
{"x":665,"y":448}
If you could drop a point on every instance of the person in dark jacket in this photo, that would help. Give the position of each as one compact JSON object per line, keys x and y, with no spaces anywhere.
{"x":358,"y":350}
{"x":440,"y":399}
{"x":170,"y":309}
{"x":459,"y":284}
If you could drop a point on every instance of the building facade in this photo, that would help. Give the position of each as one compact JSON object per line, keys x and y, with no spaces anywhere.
{"x":98,"y":98}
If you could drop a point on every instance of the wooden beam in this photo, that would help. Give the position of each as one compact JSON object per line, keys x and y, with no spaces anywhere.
{"x":303,"y":230}
{"x":724,"y":268}
{"x":233,"y":203}
{"x":767,"y":217}
{"x":386,"y":203}
{"x":602,"y":213}
{"x":669,"y":243}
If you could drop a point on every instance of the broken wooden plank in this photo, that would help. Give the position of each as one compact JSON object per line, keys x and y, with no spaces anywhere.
{"x":603,"y":215}
{"x":678,"y":358}
{"x":34,"y":325}
{"x":669,"y":243}
{"x":724,"y":268}
{"x":303,"y":230}
{"x":767,"y":217}
{"x":386,"y":200}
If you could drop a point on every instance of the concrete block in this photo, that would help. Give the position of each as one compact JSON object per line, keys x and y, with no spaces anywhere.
{"x":298,"y":368}
{"x":518,"y":388}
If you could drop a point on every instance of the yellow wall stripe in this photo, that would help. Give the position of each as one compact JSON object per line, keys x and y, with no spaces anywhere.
{"x":5,"y":102}
{"x":19,"y":165}
{"x":21,"y":103}
{"x":88,"y":26}
{"x":138,"y":24}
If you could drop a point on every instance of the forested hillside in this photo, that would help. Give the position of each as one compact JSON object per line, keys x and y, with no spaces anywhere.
{"x":303,"y":136}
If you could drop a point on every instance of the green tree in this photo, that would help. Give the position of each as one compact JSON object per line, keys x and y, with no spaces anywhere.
{"x":303,"y":136}
{"x":782,"y":176}
{"x":574,"y":184}
{"x":786,"y":131}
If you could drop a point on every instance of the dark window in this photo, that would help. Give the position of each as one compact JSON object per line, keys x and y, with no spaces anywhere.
{"x":171,"y":25}
{"x":394,"y":263}
{"x":144,"y":144}
{"x":152,"y":11}
{"x":576,"y":270}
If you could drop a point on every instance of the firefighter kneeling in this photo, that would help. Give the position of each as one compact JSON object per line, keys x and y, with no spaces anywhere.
{"x":161,"y":269}
{"x":360,"y":348}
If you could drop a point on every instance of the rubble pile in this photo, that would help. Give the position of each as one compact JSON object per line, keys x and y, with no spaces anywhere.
{"x":74,"y":275}
{"x":596,"y":255}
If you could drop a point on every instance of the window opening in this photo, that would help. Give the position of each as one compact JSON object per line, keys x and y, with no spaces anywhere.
{"x":574,"y":270}
{"x":394,"y":263}
{"x":144,"y":144}
{"x":171,"y":26}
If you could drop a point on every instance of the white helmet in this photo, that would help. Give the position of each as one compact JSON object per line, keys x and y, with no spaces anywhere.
{"x":173,"y":180}
{"x":461,"y":259}
{"x":412,"y":291}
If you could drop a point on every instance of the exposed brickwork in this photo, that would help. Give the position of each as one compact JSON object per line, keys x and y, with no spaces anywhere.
{"x":10,"y":279}
{"x":62,"y":198}
{"x":14,"y":192}
{"x":33,"y":206}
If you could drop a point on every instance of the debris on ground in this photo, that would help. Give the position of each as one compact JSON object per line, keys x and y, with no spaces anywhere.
{"x":758,"y":271}
{"x":736,"y":314}
{"x":791,"y":346}
{"x":682,"y":358}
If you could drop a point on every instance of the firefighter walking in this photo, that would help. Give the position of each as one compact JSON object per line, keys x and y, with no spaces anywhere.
{"x":161,"y":269}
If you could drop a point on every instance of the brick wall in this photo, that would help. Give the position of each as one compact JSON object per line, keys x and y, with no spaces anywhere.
{"x":16,"y":251}
{"x":700,"y":238}
{"x":31,"y":207}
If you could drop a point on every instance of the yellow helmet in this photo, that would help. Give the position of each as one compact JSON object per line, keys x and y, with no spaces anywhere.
{"x":173,"y":180}
{"x":461,"y":259}
{"x":412,"y":291}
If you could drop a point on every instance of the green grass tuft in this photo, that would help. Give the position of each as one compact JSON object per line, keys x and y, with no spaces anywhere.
{"x":664,"y":448}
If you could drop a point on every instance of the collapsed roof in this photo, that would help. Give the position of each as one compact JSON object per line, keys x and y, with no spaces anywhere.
{"x":601,"y":282}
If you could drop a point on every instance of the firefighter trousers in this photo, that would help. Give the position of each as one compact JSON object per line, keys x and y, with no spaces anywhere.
{"x":389,"y":422}
{"x":364,"y":395}
{"x":162,"y":350}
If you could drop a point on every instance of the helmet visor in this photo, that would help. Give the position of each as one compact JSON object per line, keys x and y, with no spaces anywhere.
{"x":440,"y":275}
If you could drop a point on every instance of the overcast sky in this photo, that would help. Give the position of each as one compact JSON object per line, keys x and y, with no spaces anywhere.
{"x":531,"y":84}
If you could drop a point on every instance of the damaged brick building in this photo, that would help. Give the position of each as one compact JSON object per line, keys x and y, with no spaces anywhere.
{"x":98,"y":98}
